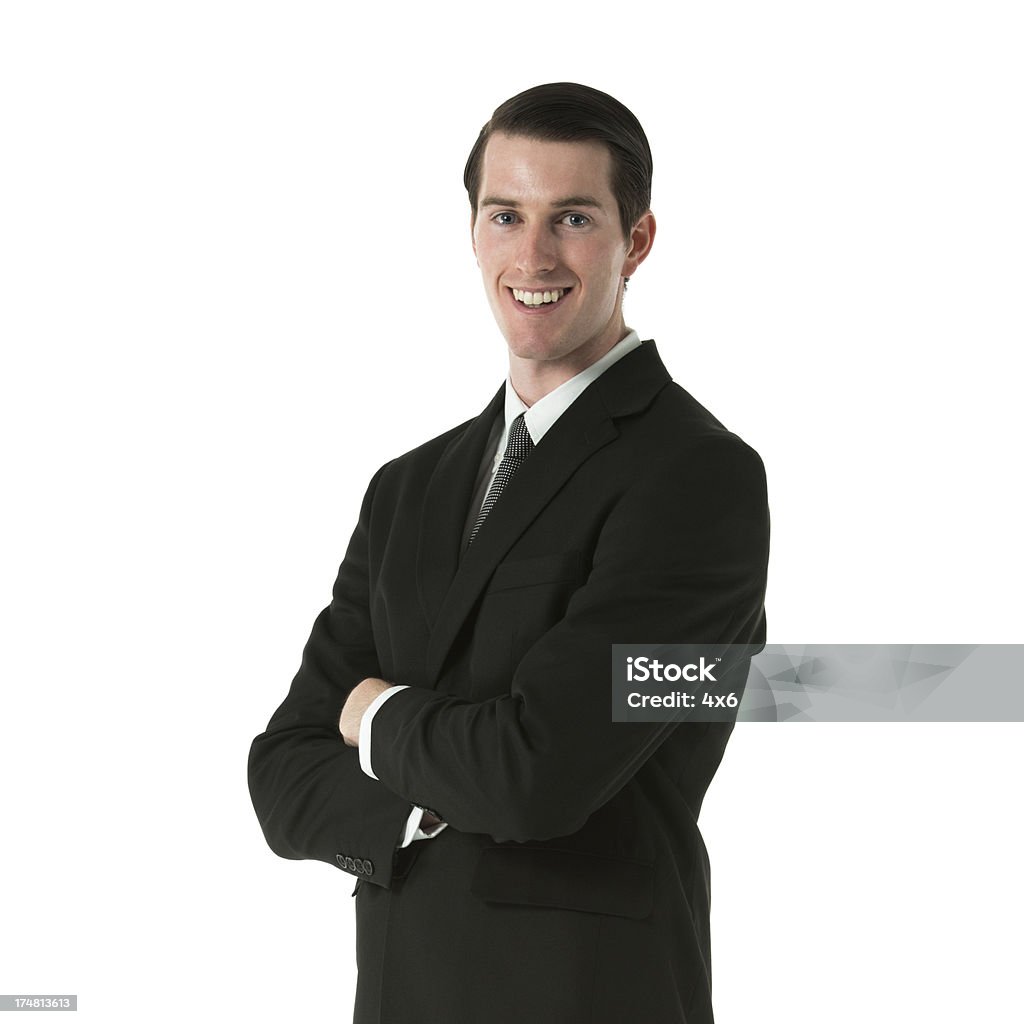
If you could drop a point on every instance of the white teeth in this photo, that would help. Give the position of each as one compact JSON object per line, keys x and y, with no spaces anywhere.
{"x":537,"y":298}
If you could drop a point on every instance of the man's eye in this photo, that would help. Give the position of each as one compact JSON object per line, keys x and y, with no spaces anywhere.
{"x":576,"y":220}
{"x":504,"y":218}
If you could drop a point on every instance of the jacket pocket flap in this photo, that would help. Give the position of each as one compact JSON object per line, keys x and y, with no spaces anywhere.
{"x":527,"y":572}
{"x":566,"y":879}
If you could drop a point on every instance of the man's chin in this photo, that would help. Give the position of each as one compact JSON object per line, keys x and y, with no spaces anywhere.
{"x":538,"y":349}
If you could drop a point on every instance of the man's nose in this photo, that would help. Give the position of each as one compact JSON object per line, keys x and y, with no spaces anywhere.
{"x":537,"y":252}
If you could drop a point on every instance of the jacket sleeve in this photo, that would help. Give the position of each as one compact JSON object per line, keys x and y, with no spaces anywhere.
{"x":311,"y":797}
{"x":682,"y":558}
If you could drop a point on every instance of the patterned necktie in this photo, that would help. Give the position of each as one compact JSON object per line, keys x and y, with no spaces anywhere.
{"x":519,"y":446}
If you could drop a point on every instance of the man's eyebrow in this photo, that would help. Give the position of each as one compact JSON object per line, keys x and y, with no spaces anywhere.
{"x":513,"y":204}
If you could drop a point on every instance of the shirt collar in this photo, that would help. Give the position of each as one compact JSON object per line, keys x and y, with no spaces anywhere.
{"x":541,"y":416}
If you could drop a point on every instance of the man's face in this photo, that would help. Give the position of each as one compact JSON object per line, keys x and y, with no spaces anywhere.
{"x":547,"y":224}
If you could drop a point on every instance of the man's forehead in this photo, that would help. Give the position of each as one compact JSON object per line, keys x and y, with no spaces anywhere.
{"x":516,"y":163}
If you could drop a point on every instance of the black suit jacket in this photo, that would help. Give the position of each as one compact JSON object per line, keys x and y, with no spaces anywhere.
{"x":572,"y":884}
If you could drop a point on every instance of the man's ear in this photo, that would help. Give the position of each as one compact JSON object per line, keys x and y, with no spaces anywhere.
{"x":641,"y":239}
{"x":472,"y":231}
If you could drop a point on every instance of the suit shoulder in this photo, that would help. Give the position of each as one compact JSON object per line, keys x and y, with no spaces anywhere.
{"x":679,"y":425}
{"x":434,"y":447}
{"x":676,"y":401}
{"x":426,"y":454}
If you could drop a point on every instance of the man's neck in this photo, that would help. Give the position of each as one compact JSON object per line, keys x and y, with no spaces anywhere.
{"x":535,"y":378}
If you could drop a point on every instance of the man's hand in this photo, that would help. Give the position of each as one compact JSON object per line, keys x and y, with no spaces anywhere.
{"x":361,"y":697}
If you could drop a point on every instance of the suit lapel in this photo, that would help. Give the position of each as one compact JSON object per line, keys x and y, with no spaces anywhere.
{"x":583,"y":429}
{"x":446,"y":506}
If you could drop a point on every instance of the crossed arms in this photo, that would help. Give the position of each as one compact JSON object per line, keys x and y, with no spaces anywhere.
{"x":681,"y":557}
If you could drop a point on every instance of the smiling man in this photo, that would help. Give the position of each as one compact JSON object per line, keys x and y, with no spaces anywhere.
{"x":554,"y":254}
{"x":448,"y":739}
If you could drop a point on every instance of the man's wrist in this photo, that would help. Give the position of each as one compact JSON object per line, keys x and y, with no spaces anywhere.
{"x":366,"y":724}
{"x":360,"y":698}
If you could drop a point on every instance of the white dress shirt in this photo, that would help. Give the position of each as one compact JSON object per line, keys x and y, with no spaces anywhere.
{"x":540,"y":418}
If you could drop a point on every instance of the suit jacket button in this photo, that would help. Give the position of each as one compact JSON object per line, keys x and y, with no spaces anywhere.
{"x":340,"y":858}
{"x":368,"y":867}
{"x":358,"y":865}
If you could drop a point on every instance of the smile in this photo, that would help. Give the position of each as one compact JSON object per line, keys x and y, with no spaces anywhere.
{"x":548,"y":298}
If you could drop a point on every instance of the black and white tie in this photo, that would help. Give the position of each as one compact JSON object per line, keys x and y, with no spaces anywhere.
{"x":519,"y":446}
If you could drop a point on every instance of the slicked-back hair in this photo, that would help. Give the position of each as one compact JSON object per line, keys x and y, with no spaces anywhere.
{"x":567,"y":112}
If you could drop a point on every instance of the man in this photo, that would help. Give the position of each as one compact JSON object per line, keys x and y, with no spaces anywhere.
{"x":448,"y":737}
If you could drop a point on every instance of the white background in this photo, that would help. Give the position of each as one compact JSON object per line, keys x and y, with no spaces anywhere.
{"x":236,"y":278}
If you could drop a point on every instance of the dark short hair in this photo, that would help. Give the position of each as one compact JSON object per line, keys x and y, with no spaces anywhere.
{"x":567,"y":112}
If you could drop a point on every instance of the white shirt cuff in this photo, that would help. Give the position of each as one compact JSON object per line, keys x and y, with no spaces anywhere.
{"x":364,"y":727}
{"x":413,"y":831}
